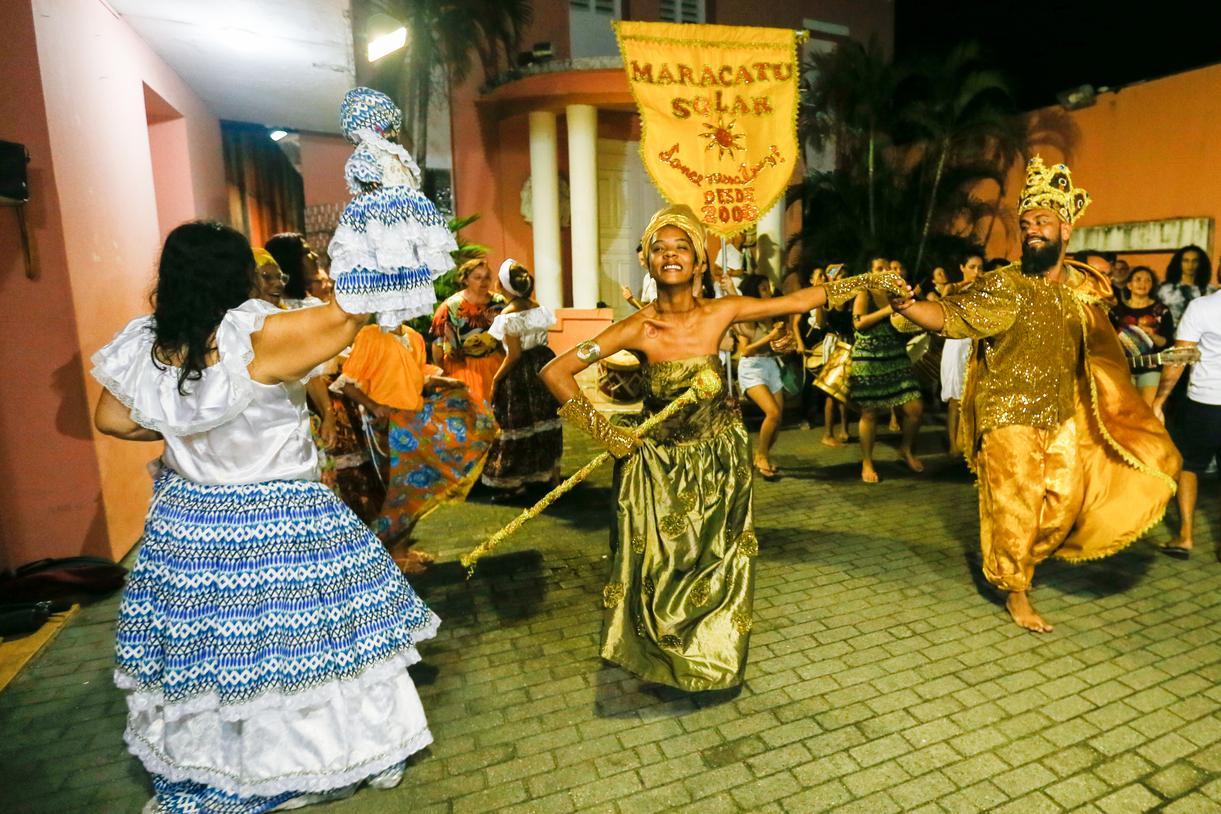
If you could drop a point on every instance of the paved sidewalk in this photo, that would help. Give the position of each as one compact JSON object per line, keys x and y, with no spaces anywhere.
{"x":883,"y":676}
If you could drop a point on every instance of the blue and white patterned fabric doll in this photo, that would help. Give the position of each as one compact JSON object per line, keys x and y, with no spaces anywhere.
{"x":392,"y":242}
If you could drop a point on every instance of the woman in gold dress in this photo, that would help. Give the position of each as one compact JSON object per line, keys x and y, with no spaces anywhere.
{"x":678,"y":601}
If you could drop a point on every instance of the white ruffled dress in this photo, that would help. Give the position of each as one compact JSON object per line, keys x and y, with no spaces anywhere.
{"x":391,"y":242}
{"x":264,"y":634}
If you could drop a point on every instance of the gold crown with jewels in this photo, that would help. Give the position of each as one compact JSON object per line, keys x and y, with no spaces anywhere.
{"x":1052,"y":188}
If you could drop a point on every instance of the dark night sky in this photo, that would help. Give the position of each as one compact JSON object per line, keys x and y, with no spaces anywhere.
{"x":1048,"y":47}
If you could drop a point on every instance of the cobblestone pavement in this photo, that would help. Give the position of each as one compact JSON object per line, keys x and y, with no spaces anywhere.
{"x":883,"y":675}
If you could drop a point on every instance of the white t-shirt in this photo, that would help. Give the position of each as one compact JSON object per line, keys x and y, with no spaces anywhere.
{"x":1202,"y":324}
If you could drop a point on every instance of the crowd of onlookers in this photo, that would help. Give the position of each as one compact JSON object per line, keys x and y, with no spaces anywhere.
{"x":407,"y":419}
{"x":851,"y":361}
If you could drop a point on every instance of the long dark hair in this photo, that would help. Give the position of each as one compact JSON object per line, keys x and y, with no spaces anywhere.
{"x":751,"y":283}
{"x":206,"y":269}
{"x":1204,"y":271}
{"x":289,"y":249}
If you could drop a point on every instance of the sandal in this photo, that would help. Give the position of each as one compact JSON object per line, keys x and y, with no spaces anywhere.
{"x":768,"y":473}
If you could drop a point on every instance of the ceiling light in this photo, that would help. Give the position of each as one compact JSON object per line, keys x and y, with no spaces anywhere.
{"x":387,"y":44}
{"x":276,"y":135}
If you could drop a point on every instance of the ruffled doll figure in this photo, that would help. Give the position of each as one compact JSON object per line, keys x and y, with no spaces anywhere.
{"x":391,"y":242}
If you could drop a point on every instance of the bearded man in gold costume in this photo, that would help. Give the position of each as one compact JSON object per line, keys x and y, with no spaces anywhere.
{"x":1071,"y":462}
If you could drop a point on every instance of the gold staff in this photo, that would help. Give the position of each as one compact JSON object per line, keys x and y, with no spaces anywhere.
{"x":707,"y":385}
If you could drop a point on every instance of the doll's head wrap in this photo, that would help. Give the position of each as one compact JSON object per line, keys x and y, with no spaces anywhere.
{"x":367,"y":109}
{"x":681,"y":216}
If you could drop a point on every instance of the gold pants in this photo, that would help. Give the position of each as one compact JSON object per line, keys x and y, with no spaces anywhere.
{"x":1031,"y":490}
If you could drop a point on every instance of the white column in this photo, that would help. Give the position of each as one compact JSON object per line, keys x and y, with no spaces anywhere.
{"x":583,"y":198}
{"x":770,"y":246}
{"x":545,"y":199}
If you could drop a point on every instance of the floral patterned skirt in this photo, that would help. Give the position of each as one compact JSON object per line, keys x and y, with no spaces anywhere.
{"x":436,"y":455}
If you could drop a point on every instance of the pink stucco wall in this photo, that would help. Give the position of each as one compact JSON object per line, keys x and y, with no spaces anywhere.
{"x":322,"y":160}
{"x":82,"y":110}
{"x":44,"y":429}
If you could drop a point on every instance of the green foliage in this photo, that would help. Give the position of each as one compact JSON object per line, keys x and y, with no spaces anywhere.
{"x":447,"y":284}
{"x":912,"y":145}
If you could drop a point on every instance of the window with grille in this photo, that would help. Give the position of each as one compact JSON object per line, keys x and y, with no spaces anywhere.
{"x":596,"y":6}
{"x":682,"y":11}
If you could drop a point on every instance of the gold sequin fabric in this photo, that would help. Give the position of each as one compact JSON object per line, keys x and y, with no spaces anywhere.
{"x":748,"y":544}
{"x":686,"y":496}
{"x":612,"y":594}
{"x":579,"y":412}
{"x":701,"y":592}
{"x":1029,"y":348}
{"x":742,"y":621}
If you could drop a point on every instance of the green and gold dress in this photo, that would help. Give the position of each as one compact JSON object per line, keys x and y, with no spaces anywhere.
{"x":681,"y":589}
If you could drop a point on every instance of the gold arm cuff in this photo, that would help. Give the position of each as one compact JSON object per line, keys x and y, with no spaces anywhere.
{"x":615,"y":440}
{"x":841,"y":290}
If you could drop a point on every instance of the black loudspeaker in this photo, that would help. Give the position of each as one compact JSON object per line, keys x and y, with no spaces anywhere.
{"x":14,"y":184}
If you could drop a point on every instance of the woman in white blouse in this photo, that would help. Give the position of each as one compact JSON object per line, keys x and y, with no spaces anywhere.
{"x":264,"y":633}
{"x":530,"y":442}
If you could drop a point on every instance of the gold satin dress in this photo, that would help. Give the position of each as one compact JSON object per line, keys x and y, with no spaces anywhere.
{"x":679,"y":598}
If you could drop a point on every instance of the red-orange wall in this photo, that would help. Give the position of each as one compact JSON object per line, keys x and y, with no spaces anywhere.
{"x":81,"y":72}
{"x":1148,"y":152}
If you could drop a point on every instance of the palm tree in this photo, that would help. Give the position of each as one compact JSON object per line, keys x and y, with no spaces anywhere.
{"x":963,"y":110}
{"x":444,"y":37}
{"x":848,"y":100}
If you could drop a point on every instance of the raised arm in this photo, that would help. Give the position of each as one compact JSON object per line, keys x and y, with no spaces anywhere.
{"x":293,"y":343}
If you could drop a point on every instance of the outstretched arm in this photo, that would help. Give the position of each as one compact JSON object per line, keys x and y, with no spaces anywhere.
{"x":293,"y":343}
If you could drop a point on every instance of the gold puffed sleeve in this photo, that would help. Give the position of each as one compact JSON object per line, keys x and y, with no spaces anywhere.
{"x":985,"y":309}
{"x":904,"y":325}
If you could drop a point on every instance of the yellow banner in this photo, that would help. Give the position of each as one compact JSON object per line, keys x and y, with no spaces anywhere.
{"x":718,"y":112}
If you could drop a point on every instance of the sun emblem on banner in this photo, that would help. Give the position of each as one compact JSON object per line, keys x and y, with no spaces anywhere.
{"x":723,"y":137}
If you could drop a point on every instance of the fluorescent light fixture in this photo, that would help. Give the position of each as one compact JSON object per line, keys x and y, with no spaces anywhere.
{"x":387,"y":44}
{"x":276,"y":135}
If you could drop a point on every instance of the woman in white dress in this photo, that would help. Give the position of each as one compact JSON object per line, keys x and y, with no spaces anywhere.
{"x":530,"y":443}
{"x":264,"y":635}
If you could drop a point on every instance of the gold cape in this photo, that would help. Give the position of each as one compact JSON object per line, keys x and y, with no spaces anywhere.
{"x":1130,"y":464}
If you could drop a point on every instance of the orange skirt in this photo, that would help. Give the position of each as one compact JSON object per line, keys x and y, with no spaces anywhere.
{"x":476,"y":372}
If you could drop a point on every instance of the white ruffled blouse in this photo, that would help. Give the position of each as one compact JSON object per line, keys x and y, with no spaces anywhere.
{"x":530,"y":327}
{"x":228,"y":428}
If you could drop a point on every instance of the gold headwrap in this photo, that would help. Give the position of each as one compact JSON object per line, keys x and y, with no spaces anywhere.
{"x":262,"y":257}
{"x":1053,"y":189}
{"x":679,"y":215}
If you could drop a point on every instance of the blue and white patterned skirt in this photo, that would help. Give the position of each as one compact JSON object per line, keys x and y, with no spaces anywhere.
{"x":263,"y":643}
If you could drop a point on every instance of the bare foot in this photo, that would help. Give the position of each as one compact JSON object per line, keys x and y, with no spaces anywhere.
{"x":868,"y":473}
{"x":414,"y":562}
{"x":913,"y":463}
{"x":894,"y":425}
{"x":1019,"y":607}
{"x":842,"y":434}
{"x":831,"y":441}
